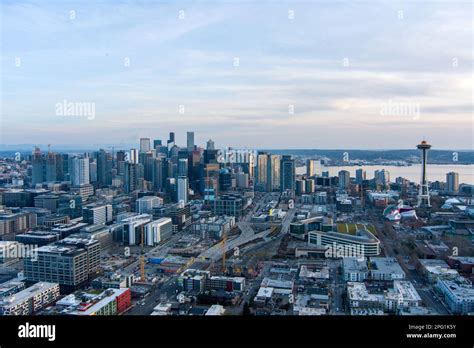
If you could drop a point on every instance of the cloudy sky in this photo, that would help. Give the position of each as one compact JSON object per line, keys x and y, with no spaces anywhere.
{"x":264,"y":74}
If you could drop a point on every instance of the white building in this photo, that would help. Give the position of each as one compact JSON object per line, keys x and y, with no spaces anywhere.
{"x":215,"y":310}
{"x":214,"y":227}
{"x":132,"y":228}
{"x":458,"y":294}
{"x":182,"y":189}
{"x":385,"y":268}
{"x":158,"y":231}
{"x":355,"y":270}
{"x":242,"y":180}
{"x":145,"y":204}
{"x":79,"y":170}
{"x":401,"y":297}
{"x":97,"y":214}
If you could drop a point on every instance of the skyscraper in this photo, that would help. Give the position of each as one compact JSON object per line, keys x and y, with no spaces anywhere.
{"x":361,"y":175}
{"x":190,"y":141}
{"x":79,"y":171}
{"x":182,"y":189}
{"x":424,"y":193}
{"x":382,"y":178}
{"x":273,"y":172}
{"x":262,"y":169}
{"x":144,"y":144}
{"x":50,"y":167}
{"x":210,"y":145}
{"x":313,"y":167}
{"x":133,"y":156}
{"x":38,"y":169}
{"x":287,"y":173}
{"x":344,"y":179}
{"x":104,"y":168}
{"x":156,"y":143}
{"x":183,"y":167}
{"x":133,"y":176}
{"x":452,"y":182}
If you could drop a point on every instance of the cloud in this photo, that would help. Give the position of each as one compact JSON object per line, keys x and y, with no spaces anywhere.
{"x":422,"y":59}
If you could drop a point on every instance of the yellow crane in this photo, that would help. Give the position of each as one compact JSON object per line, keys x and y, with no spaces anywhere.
{"x":224,"y":240}
{"x":142,"y":257}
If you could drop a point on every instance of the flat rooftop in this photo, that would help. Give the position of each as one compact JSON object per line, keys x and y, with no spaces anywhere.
{"x":27,"y":293}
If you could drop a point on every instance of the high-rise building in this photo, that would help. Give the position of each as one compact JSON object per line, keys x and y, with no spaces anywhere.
{"x":268,"y":172}
{"x":452,"y":182}
{"x":313,"y":167}
{"x":182,"y":190}
{"x":344,"y":179}
{"x":144,"y":144}
{"x":158,"y":174}
{"x":183,"y":167}
{"x":50,"y":167}
{"x":190,"y":141}
{"x":171,"y":141}
{"x":287,"y":173}
{"x":134,"y":155}
{"x":361,"y":175}
{"x":133,"y":176}
{"x":210,"y":145}
{"x":382,"y":178}
{"x":79,"y":171}
{"x":104,"y":168}
{"x":37,"y":167}
{"x":424,"y":193}
{"x":93,"y":171}
{"x":273,"y":173}
{"x":262,"y":169}
{"x":156,"y":143}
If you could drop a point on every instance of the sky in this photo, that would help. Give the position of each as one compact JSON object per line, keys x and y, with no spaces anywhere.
{"x":257,"y":74}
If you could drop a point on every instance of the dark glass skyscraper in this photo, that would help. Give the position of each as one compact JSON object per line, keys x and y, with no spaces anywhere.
{"x":287,"y":173}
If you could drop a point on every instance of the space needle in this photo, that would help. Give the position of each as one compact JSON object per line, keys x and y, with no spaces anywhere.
{"x":424,"y":193}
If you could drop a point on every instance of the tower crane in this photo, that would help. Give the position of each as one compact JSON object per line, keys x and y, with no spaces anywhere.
{"x":142,"y":256}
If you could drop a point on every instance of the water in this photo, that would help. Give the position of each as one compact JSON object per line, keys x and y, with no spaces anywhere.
{"x":413,"y":173}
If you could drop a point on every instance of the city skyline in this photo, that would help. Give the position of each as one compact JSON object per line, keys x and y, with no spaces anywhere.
{"x":289,"y":76}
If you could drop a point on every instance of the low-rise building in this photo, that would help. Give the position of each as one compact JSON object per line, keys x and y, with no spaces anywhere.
{"x":458,"y":294}
{"x":216,"y":310}
{"x":214,"y":227}
{"x":158,"y":231}
{"x":434,"y":269}
{"x":11,"y":287}
{"x":385,"y":268}
{"x":29,"y":300}
{"x":355,"y":269}
{"x":402,"y":296}
{"x":92,"y":302}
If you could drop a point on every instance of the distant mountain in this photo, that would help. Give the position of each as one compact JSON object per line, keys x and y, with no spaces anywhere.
{"x":434,"y":156}
{"x":411,"y":156}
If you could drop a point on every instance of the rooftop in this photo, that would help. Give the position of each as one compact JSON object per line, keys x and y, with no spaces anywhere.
{"x":27,"y":293}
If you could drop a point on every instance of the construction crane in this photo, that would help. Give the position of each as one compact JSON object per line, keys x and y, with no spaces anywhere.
{"x":142,"y":256}
{"x":224,"y":240}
